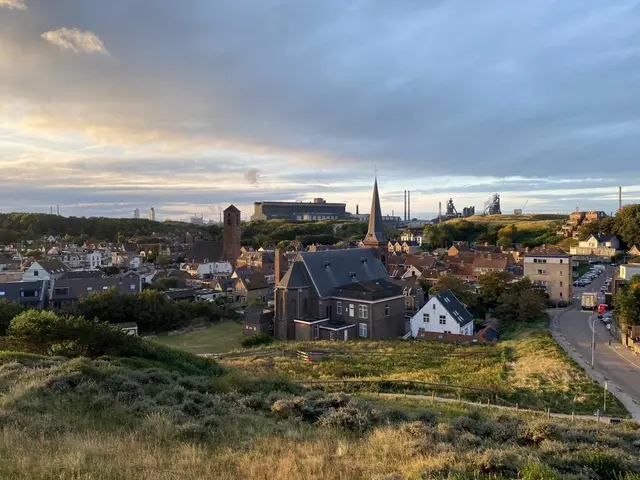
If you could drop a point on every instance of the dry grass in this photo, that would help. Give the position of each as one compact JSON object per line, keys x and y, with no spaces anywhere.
{"x":216,"y":338}
{"x":528,"y":368}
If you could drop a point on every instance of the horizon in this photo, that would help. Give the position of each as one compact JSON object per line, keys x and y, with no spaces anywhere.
{"x":105,"y":109}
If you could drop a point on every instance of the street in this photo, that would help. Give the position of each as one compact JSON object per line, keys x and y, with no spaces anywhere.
{"x":615,"y":362}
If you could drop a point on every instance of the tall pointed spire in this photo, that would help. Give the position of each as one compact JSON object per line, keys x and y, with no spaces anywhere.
{"x":375,"y":235}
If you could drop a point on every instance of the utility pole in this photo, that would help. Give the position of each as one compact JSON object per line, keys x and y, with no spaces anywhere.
{"x":604,"y":406}
{"x":593,"y":343}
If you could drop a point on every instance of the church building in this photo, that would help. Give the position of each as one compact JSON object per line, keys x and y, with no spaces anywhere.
{"x":341,"y":294}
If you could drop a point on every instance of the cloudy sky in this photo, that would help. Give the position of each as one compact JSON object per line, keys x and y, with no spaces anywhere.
{"x":188,"y":106}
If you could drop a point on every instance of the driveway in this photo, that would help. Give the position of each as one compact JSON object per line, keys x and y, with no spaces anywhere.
{"x":613,"y":362}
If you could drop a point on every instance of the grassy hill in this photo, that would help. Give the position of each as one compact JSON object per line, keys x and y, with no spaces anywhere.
{"x":527,"y":369}
{"x":129,"y":418}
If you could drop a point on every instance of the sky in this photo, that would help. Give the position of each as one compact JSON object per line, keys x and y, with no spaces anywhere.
{"x":108,"y":106}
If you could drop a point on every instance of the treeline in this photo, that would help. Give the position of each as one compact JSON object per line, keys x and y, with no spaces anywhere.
{"x":625,"y":225}
{"x":16,"y":227}
{"x":444,"y":234}
{"x":515,"y":304}
{"x":281,"y":233}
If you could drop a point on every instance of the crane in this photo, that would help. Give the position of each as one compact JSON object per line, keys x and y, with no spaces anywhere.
{"x":525,"y":204}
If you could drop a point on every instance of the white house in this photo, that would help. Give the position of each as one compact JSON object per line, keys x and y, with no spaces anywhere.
{"x":94,"y":260}
{"x":208,"y":269}
{"x":443,"y":313}
{"x":45,"y":270}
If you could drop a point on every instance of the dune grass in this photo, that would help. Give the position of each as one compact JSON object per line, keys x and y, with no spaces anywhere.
{"x":527,"y":368}
{"x":215,"y":338}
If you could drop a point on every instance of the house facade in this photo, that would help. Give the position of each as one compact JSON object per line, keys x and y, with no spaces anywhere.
{"x":599,"y":246}
{"x":550,"y":267}
{"x":69,"y":291}
{"x":45,"y":270}
{"x":443,"y":313}
{"x":33,"y":294}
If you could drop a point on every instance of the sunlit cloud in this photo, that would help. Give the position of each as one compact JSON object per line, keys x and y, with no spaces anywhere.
{"x":78,"y":41}
{"x":13,"y":4}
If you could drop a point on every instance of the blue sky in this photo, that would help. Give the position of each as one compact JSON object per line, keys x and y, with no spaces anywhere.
{"x":106,"y":106}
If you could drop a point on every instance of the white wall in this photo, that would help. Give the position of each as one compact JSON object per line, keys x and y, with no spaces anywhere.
{"x":29,"y":275}
{"x":417,"y":321}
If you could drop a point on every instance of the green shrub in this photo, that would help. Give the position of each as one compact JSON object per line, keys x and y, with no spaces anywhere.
{"x":352,"y":417}
{"x":603,"y":464}
{"x":45,"y":333}
{"x":537,"y":471}
{"x":258,"y":339}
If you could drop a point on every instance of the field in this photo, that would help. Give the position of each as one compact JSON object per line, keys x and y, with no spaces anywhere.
{"x":124,"y":418}
{"x":528,"y":370}
{"x":216,"y":338}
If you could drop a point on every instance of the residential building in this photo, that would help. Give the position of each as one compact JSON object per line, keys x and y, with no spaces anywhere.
{"x":634,"y":251}
{"x":250,"y":285}
{"x":482,"y":265}
{"x":257,"y":320}
{"x":67,"y":292}
{"x":596,"y":246}
{"x":231,"y":235}
{"x":31,"y":294}
{"x":318,"y":209}
{"x":414,"y":296}
{"x":208,"y":270}
{"x":443,"y":313}
{"x":629,"y":269}
{"x":413,"y":235}
{"x":550,"y":267}
{"x":152,"y":214}
{"x":45,"y":270}
{"x":341,"y":294}
{"x":136,"y":213}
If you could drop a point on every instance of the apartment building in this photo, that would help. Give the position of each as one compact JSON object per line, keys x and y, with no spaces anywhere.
{"x":550,"y":267}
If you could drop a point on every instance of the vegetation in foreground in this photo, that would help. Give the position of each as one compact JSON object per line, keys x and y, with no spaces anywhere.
{"x":125,"y":418}
{"x":527,"y":369}
{"x":214,"y":338}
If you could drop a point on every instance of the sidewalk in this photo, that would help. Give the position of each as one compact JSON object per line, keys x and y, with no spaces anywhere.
{"x":628,"y":402}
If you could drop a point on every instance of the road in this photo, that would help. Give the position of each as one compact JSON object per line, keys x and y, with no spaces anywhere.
{"x":614,"y":362}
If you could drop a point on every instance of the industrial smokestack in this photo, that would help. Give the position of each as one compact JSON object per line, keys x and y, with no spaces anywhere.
{"x":51,"y":210}
{"x":619,"y":198}
{"x":405,"y":206}
{"x":58,"y":210}
{"x":409,"y":206}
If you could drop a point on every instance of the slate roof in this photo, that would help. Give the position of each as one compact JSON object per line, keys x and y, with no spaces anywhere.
{"x":452,"y":305}
{"x":231,"y":208}
{"x":200,"y":252}
{"x":53,"y":266}
{"x":330,"y":269}
{"x":253,"y":280}
{"x":10,"y":291}
{"x":83,"y":274}
{"x":82,"y":287}
{"x":295,"y":277}
{"x":547,"y":250}
{"x":370,"y":290}
{"x":602,"y":238}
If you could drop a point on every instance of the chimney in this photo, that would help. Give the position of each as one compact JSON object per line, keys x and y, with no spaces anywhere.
{"x":409,"y":205}
{"x":278,"y":254}
{"x":405,"y":205}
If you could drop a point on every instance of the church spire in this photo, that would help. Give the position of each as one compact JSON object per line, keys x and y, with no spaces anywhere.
{"x":375,"y":234}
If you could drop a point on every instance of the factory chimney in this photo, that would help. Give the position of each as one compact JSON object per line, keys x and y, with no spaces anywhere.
{"x":405,"y":206}
{"x":409,"y":206}
{"x":619,"y":198}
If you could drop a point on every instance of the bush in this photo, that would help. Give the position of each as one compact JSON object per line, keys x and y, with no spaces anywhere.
{"x":353,"y":417}
{"x":45,"y":333}
{"x":537,"y":471}
{"x":255,"y":340}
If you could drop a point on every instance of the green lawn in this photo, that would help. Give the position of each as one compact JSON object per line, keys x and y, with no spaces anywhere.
{"x":216,"y":338}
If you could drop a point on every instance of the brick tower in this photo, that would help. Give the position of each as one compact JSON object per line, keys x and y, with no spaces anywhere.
{"x":231,"y":235}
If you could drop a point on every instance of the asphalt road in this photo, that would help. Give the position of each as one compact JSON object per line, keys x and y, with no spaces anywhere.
{"x":614,"y":361}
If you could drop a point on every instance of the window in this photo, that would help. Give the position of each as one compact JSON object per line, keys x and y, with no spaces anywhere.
{"x":542,"y":272}
{"x":35,"y":273}
{"x":352,"y":310}
{"x":61,"y":291}
{"x":386,"y":310}
{"x":425,"y":317}
{"x":132,"y":287}
{"x":105,"y":288}
{"x":316,"y":332}
{"x":434,"y":306}
{"x":332,"y":335}
{"x":560,"y":283}
{"x":2,"y":294}
{"x":560,"y":294}
{"x":363,"y":311}
{"x":561,"y":262}
{"x":339,"y":308}
{"x":89,"y":289}
{"x":447,"y":331}
{"x":362,"y":330}
{"x":443,"y":320}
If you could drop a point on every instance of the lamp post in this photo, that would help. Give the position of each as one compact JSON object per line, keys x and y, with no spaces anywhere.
{"x":593,"y":343}
{"x":604,"y":406}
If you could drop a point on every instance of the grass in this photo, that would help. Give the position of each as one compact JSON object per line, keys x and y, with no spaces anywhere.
{"x":215,"y":338}
{"x":528,"y":369}
{"x":105,"y":419}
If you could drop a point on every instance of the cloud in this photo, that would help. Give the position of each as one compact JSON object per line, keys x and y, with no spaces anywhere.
{"x":13,"y":4}
{"x":78,"y":41}
{"x":252,"y":176}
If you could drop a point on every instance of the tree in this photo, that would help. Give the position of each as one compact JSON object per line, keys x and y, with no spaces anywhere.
{"x":460,"y":289}
{"x":440,"y":235}
{"x":8,"y":310}
{"x":492,"y":286}
{"x":627,"y":224}
{"x":507,"y":236}
{"x":521,"y":303}
{"x":626,"y":303}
